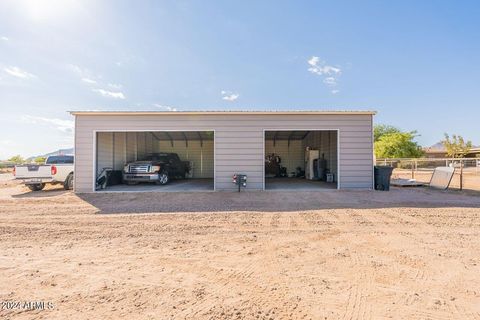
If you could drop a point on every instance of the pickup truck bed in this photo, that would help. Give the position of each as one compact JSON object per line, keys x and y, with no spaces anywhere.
{"x":56,"y":170}
{"x":30,"y":172}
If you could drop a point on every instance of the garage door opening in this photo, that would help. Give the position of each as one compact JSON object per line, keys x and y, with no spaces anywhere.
{"x":164,"y":161}
{"x":301,"y":160}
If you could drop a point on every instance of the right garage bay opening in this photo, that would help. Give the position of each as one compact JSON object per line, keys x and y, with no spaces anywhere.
{"x":301,"y":159}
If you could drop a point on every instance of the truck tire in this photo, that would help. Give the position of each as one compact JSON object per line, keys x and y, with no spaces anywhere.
{"x":68,"y":184}
{"x":36,"y":187}
{"x":163,"y":178}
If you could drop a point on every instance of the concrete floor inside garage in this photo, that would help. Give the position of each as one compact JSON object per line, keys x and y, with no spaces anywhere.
{"x":297,"y":184}
{"x":187,"y":185}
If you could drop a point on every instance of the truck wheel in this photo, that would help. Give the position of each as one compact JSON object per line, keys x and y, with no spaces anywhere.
{"x":36,"y":187}
{"x":68,"y":184}
{"x":163,"y":178}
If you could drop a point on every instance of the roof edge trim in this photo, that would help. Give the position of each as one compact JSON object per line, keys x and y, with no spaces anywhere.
{"x":166,"y":113}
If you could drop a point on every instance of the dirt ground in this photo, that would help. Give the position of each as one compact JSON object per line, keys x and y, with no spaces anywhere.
{"x":403,"y":254}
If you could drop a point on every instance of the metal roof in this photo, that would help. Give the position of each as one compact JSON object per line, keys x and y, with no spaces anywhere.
{"x":291,"y":112}
{"x":183,"y":135}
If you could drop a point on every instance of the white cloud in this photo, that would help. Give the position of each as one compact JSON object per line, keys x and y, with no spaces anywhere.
{"x":92,"y":78}
{"x":19,"y":73}
{"x":76,"y":69}
{"x":84,"y":74}
{"x":313,"y":61}
{"x":115,"y":86}
{"x":89,"y":81}
{"x":110,"y":94}
{"x":168,"y":108}
{"x":4,"y":38}
{"x":330,"y":81}
{"x":60,"y":124}
{"x":320,"y":67}
{"x":229,"y":96}
{"x":330,"y":73}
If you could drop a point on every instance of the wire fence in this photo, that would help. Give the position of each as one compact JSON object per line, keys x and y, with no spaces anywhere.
{"x":467,"y":170}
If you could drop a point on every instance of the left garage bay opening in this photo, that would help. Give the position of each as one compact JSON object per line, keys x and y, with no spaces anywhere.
{"x":154,"y":161}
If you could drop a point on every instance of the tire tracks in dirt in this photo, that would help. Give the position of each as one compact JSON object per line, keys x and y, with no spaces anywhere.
{"x":410,"y":274}
{"x":357,"y":306}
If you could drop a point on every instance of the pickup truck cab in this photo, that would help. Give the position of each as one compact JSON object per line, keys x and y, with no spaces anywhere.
{"x":157,"y":167}
{"x":56,"y":170}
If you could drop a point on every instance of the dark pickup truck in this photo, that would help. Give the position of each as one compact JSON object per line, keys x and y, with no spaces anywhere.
{"x":157,"y":167}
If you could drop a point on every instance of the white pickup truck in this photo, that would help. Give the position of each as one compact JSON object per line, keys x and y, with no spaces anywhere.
{"x":56,"y":170}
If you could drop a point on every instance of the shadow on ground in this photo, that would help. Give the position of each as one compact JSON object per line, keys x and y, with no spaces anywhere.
{"x":46,"y":193}
{"x":277,"y":201}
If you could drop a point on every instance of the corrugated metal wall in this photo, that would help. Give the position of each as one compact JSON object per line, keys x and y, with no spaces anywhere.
{"x":141,"y":145}
{"x":131,"y":146}
{"x":292,"y":156}
{"x":202,"y":157}
{"x":104,"y":151}
{"x":239,"y":142}
{"x":120,"y":152}
{"x":150,"y":142}
{"x":326,"y":143}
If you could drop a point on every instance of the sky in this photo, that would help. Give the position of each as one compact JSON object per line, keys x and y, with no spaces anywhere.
{"x":417,"y":63}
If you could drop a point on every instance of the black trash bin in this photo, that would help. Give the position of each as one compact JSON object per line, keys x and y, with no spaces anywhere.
{"x":382,"y":177}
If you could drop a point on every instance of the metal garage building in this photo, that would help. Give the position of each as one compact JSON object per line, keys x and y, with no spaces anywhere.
{"x":220,"y":144}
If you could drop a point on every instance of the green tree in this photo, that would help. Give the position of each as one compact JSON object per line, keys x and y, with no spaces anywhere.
{"x":16,"y":159}
{"x":40,"y":160}
{"x":383,"y":129}
{"x":398,"y":145}
{"x":456,"y":146}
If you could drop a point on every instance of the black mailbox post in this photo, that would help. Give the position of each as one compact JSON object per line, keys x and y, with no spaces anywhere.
{"x":240,"y":180}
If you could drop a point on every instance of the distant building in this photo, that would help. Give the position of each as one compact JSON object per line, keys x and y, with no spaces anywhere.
{"x":474,"y":153}
{"x":435,"y":151}
{"x":438,"y":151}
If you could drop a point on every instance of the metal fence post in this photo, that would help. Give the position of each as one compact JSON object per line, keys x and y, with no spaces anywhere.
{"x":416,"y":167}
{"x":413,"y":169}
{"x":461,"y":175}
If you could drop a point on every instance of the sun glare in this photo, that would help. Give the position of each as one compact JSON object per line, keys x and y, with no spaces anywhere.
{"x":41,"y":10}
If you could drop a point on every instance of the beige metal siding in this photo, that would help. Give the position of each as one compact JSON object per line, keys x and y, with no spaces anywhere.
{"x":232,"y":148}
